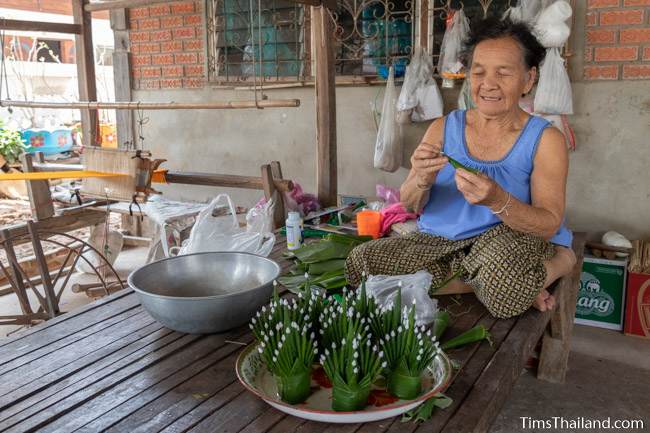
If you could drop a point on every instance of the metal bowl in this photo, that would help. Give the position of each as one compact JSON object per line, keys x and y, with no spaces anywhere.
{"x":205,"y":292}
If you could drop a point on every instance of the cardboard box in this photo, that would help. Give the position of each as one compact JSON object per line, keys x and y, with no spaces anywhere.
{"x":637,"y":305}
{"x":602,"y":293}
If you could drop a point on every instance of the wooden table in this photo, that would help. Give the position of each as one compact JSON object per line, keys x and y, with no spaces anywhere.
{"x":110,"y":367}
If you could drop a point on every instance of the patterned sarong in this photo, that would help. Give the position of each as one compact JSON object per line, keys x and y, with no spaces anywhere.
{"x":503,"y":266}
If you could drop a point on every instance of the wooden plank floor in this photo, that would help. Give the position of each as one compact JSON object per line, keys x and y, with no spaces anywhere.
{"x":111,"y":367}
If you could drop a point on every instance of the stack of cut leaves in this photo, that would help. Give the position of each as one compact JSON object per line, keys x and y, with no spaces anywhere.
{"x":321,"y":263}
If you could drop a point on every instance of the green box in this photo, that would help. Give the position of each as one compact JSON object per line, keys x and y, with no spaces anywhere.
{"x":602,"y":293}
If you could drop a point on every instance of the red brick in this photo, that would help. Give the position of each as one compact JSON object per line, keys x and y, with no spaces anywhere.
{"x":593,"y":4}
{"x":136,"y":73}
{"x":173,"y":21}
{"x":141,"y":60}
{"x":150,"y":48}
{"x":610,"y":54}
{"x":194,"y":70}
{"x":184,"y":33}
{"x":138,"y":13}
{"x":636,"y":2}
{"x":161,"y":35}
{"x":192,"y":83}
{"x":139,"y":36}
{"x":172,"y":71}
{"x":171,"y":46}
{"x":635,"y":35}
{"x":162,"y":59}
{"x":133,"y":24}
{"x":588,"y":54}
{"x":158,"y":10}
{"x":186,"y":7}
{"x":175,"y":83}
{"x":633,"y":16}
{"x":601,"y":36}
{"x":646,"y":53}
{"x":149,"y":24}
{"x":609,"y":72}
{"x":636,"y":72}
{"x":151,"y":72}
{"x":193,"y":45}
{"x":186,"y":58}
{"x":201,"y":58}
{"x":150,"y":84}
{"x":592,"y":19}
{"x":192,"y":20}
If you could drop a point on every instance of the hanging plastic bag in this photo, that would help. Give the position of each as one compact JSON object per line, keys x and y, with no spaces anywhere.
{"x":388,"y":147}
{"x":109,"y":247}
{"x":526,"y":11}
{"x":429,"y":100}
{"x":553,"y":95}
{"x":407,"y":100}
{"x":449,"y":63}
{"x":415,"y":289}
{"x":217,"y":229}
{"x":551,"y":28}
{"x":465,"y":101}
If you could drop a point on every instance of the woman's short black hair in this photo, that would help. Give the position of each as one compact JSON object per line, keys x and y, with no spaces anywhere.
{"x":494,"y":28}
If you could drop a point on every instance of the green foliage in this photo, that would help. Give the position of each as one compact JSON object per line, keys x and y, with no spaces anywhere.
{"x":11,"y":144}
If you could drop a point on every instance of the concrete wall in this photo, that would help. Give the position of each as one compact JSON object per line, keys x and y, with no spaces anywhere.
{"x":609,"y":182}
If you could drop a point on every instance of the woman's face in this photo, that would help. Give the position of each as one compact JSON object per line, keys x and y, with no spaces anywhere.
{"x":499,"y":76}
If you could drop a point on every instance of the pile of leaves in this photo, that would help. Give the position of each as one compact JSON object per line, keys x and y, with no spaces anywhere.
{"x":321,"y":263}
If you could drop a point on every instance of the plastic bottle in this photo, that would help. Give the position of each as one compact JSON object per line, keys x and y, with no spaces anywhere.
{"x":294,"y":231}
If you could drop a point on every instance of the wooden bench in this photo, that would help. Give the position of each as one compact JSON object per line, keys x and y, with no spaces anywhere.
{"x":110,"y":366}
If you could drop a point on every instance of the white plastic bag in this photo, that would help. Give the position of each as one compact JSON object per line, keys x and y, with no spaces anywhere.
{"x":551,"y":28}
{"x":109,"y":247}
{"x":388,"y":147}
{"x":415,"y":289}
{"x":452,"y":44}
{"x":407,"y":99}
{"x":526,"y":11}
{"x":222,"y":232}
{"x":465,"y":101}
{"x":553,"y":95}
{"x":429,"y":100}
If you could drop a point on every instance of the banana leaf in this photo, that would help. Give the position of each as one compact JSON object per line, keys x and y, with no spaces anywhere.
{"x":324,"y":250}
{"x":320,"y":268}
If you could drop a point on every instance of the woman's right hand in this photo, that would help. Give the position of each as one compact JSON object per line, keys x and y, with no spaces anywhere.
{"x":426,"y":162}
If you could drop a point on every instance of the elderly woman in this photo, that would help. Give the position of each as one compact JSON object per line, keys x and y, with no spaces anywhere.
{"x":500,"y":228}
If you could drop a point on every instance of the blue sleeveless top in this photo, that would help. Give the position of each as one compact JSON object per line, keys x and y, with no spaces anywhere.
{"x":449,"y":215}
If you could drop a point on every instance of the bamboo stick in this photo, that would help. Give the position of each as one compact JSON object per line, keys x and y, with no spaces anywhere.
{"x":127,"y":105}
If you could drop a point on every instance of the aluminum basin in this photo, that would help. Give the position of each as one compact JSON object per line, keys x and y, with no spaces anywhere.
{"x":205,"y":292}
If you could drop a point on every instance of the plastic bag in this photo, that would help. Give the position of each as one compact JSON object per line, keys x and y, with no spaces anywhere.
{"x":415,"y":289}
{"x":387,"y":194}
{"x":429,"y":100}
{"x":388,"y":147}
{"x":407,"y":99}
{"x":109,"y":247}
{"x":551,"y":28}
{"x":222,"y":232}
{"x":465,"y":101}
{"x":452,"y":43}
{"x":526,"y":11}
{"x":553,"y":95}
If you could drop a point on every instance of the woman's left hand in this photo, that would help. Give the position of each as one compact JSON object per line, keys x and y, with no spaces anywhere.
{"x":478,"y":189}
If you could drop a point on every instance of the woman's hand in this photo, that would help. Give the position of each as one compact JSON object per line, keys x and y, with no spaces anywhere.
{"x":426,"y":162}
{"x":480,"y":189}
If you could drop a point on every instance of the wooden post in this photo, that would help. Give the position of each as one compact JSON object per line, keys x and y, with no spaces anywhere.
{"x":326,"y":170}
{"x":46,"y":280}
{"x":40,"y":199}
{"x":556,"y":343}
{"x":85,"y":58}
{"x":122,"y":76}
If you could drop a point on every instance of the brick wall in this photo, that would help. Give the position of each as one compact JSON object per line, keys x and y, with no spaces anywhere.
{"x":617,"y":40}
{"x":167,"y":50}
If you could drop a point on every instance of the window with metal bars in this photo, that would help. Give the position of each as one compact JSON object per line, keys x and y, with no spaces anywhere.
{"x":270,"y":40}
